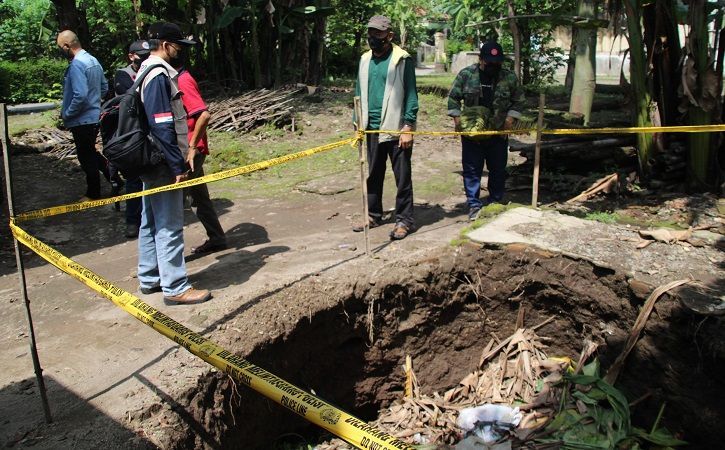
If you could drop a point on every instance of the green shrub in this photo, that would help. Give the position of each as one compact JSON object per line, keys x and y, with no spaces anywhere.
{"x":31,"y":81}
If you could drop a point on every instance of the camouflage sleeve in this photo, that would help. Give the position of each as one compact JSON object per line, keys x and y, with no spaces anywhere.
{"x":455,"y":96}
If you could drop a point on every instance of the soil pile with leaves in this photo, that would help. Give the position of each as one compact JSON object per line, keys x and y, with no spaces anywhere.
{"x":565,"y":404}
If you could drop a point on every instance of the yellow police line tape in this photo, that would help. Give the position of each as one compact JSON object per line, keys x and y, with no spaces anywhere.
{"x":305,"y":404}
{"x":618,"y":130}
{"x":62,"y":209}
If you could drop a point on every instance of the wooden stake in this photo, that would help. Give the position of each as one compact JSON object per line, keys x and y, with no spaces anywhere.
{"x":537,"y":151}
{"x":5,"y":147}
{"x":363,"y":157}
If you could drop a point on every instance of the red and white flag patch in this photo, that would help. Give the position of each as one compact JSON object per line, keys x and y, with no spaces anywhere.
{"x":163,"y":117}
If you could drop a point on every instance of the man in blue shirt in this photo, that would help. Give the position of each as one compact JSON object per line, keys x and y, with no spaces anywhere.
{"x":84,"y":85}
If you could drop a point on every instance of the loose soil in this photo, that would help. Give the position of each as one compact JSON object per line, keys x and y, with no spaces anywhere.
{"x":293,"y":293}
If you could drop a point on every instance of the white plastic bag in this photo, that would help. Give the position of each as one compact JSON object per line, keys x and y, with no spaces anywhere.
{"x":487,"y":424}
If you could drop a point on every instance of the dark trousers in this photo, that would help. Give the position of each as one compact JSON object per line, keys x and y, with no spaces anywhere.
{"x":378,"y":154}
{"x":133,"y":206}
{"x":92,"y":162}
{"x":204,"y":207}
{"x":494,"y":153}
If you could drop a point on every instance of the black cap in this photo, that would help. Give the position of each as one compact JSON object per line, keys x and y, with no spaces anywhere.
{"x":139,"y":47}
{"x":166,"y":31}
{"x":491,"y":52}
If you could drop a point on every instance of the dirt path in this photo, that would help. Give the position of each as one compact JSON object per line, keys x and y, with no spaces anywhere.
{"x":108,"y":374}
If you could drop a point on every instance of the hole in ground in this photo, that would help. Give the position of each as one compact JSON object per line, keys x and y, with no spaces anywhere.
{"x":442,"y":311}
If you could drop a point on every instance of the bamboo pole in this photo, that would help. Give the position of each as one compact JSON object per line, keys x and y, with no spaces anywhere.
{"x":5,"y":141}
{"x":362,"y":155}
{"x":537,"y":151}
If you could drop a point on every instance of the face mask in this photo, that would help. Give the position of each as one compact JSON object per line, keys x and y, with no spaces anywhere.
{"x":491,"y":70}
{"x":66,"y":53}
{"x":178,"y":59}
{"x":136,"y":63}
{"x":376,"y":44}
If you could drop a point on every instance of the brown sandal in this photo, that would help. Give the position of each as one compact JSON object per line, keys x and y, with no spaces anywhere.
{"x":372,"y":223}
{"x":400,"y":231}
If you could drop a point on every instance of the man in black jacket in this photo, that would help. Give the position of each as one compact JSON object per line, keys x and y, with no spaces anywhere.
{"x":122,"y":82}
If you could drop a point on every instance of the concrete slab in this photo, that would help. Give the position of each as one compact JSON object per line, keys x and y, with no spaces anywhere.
{"x":607,"y":245}
{"x":506,"y":229}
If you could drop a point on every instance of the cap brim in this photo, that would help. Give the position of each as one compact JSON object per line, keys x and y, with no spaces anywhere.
{"x":185,"y":42}
{"x":141,"y":52}
{"x":493,"y":59}
{"x":378,"y":27}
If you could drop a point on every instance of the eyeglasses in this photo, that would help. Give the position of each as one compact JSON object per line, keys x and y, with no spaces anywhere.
{"x":175,"y":46}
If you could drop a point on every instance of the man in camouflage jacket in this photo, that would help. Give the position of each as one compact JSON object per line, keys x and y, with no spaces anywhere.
{"x":492,"y":100}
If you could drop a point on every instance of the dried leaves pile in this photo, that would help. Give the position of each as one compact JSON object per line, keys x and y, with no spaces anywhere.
{"x":509,"y":373}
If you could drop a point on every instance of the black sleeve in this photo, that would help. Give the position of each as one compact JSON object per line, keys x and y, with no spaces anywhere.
{"x":122,"y":82}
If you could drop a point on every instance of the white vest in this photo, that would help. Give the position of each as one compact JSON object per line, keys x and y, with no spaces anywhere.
{"x":392,"y":115}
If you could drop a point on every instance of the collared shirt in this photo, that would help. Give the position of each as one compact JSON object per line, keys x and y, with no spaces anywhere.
{"x":84,"y":85}
{"x":194,"y":106}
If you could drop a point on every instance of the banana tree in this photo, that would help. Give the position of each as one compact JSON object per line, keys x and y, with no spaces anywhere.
{"x":702,"y":96}
{"x":296,"y":21}
{"x":638,"y":76}
{"x":585,"y":77}
{"x":403,"y":14}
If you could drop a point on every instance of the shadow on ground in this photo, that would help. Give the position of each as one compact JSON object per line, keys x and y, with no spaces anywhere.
{"x":23,"y":425}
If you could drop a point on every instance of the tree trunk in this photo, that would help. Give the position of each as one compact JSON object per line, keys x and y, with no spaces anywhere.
{"x":517,"y":39}
{"x":585,"y":74}
{"x":71,"y":18}
{"x":254,"y":47}
{"x":571,"y":64}
{"x":357,"y":43}
{"x":638,"y":76}
{"x":315,"y":70}
{"x":228,"y":49}
{"x":278,"y":51}
{"x":701,"y":161}
{"x":525,"y":33}
{"x":211,"y":41}
{"x":663,"y":47}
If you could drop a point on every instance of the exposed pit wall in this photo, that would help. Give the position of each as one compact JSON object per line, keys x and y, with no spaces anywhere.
{"x":442,"y":311}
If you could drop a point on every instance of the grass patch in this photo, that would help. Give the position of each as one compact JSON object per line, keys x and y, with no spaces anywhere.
{"x":433,"y":113}
{"x":602,"y":216}
{"x":229,"y":150}
{"x":20,"y":123}
{"x":624,"y":219}
{"x":442,"y":80}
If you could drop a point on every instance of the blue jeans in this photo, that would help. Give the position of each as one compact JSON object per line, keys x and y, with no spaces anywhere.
{"x":494,"y":153}
{"x":161,"y":243}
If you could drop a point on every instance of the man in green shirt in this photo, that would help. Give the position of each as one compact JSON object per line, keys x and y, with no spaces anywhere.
{"x":386,"y":86}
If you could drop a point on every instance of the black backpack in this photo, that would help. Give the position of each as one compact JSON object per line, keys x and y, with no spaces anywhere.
{"x":124,"y":129}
